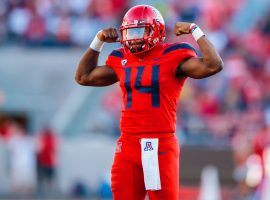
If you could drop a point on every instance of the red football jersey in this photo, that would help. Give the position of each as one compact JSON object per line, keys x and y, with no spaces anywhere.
{"x":150,"y":88}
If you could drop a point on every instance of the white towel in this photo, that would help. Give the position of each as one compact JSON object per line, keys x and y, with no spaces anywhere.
{"x":149,"y":149}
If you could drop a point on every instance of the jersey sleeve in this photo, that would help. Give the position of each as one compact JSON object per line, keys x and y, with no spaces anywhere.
{"x":114,"y":59}
{"x":178,"y":53}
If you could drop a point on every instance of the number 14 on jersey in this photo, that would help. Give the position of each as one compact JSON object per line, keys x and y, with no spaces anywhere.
{"x":152,"y":89}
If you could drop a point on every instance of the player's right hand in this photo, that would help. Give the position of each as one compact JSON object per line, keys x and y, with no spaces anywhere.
{"x":108,"y":35}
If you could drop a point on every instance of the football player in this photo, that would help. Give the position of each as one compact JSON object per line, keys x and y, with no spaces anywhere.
{"x":151,"y":74}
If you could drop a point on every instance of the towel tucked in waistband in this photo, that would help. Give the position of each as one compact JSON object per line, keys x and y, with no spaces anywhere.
{"x":149,"y":149}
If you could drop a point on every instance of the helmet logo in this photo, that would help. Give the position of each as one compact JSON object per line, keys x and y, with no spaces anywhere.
{"x":142,"y":21}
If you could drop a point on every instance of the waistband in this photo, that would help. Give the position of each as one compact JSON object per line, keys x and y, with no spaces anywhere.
{"x":136,"y":137}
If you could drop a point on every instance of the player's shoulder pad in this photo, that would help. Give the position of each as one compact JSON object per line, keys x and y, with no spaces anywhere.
{"x":118,"y":53}
{"x":178,"y":46}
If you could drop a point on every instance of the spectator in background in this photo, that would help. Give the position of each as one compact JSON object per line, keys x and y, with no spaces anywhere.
{"x":63,"y":29}
{"x":22,"y":160}
{"x":108,"y":10}
{"x":5,"y":125}
{"x":47,"y":161}
{"x":241,"y":151}
{"x":112,"y":104}
{"x":18,"y":20}
{"x":261,"y":142}
{"x":35,"y":32}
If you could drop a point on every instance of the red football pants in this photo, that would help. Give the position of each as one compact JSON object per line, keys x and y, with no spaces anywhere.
{"x":127,"y":180}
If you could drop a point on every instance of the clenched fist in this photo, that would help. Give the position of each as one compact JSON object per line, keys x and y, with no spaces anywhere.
{"x":181,"y":28}
{"x":108,"y":35}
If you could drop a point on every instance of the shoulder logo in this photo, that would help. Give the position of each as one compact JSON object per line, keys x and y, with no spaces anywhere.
{"x":124,"y":62}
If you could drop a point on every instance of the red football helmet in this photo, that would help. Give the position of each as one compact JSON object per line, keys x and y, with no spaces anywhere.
{"x":143,"y":27}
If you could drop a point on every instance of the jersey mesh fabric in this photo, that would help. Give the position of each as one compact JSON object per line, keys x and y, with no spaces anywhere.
{"x":149,"y":87}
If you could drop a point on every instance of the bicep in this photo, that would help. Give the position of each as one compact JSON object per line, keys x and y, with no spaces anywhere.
{"x":195,"y":68}
{"x":100,"y":76}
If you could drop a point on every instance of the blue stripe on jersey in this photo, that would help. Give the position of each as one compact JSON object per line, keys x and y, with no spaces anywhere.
{"x":179,"y":46}
{"x":128,"y":87}
{"x":117,"y":53}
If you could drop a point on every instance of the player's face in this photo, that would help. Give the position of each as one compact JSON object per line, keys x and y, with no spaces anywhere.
{"x":136,"y":45}
{"x":135,"y":37}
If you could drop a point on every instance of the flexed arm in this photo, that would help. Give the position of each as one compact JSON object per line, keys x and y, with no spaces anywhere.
{"x":88,"y":73}
{"x":210,"y":63}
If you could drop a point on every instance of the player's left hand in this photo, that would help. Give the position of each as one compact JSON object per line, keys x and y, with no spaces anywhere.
{"x":181,"y":28}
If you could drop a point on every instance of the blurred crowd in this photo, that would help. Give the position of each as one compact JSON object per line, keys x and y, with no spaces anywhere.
{"x":231,"y":108}
{"x":30,"y":163}
{"x":32,"y":159}
{"x":56,"y":22}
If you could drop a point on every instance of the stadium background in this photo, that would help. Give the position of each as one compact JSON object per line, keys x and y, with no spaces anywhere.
{"x":57,"y":138}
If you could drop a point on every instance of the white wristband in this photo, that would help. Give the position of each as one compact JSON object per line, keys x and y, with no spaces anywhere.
{"x":96,"y":44}
{"x":196,"y":32}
